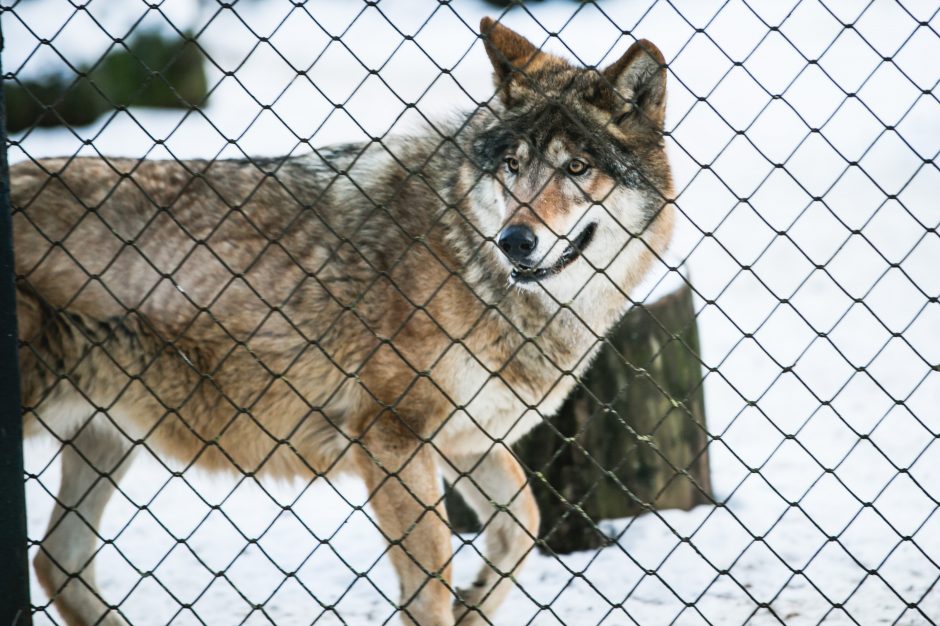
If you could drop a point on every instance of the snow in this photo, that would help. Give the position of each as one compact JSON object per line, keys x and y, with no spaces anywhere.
{"x":822,"y":386}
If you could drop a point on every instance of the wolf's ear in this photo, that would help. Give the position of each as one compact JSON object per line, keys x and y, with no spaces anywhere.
{"x":639,"y":78}
{"x":511,"y":54}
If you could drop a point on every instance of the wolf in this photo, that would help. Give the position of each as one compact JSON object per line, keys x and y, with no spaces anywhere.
{"x":402,"y":309}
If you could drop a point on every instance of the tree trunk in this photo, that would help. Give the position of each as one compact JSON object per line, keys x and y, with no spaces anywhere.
{"x":629,"y":439}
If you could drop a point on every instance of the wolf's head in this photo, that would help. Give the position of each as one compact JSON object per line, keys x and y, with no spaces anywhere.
{"x":575,"y":158}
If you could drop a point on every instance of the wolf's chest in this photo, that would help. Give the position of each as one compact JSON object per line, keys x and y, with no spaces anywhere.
{"x":487,"y":407}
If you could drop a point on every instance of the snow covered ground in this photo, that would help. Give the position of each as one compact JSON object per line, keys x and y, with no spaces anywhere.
{"x":826,"y":348}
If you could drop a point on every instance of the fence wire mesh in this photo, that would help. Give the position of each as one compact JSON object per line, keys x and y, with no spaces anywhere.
{"x":310,"y":244}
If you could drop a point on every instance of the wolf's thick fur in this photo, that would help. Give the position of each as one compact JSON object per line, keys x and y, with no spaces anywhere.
{"x":347,"y":310}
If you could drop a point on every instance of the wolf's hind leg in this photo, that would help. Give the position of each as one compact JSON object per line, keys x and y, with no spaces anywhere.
{"x":494,"y":486}
{"x":93,"y":462}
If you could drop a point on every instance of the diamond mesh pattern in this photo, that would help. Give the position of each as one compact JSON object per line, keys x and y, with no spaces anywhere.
{"x":803,"y":138}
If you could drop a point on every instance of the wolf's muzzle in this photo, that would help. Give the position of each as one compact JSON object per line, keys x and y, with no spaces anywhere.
{"x":525,"y":274}
{"x":518,"y":242}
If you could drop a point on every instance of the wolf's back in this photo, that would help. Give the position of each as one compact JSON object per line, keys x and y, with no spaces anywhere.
{"x":161,"y":237}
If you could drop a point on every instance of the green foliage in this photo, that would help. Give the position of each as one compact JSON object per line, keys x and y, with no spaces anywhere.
{"x":152,"y":70}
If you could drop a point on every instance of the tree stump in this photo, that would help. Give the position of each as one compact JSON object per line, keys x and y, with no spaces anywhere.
{"x":629,"y":439}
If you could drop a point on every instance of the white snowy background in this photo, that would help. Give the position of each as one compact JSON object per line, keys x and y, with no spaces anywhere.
{"x":826,"y":349}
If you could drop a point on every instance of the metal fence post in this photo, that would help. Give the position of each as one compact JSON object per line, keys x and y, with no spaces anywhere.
{"x":14,"y":568}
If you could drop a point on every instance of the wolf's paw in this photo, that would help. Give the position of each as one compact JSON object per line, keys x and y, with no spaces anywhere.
{"x":467,"y":605}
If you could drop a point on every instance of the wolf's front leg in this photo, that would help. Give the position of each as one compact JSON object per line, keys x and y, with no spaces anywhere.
{"x":494,"y":486}
{"x":406,"y":497}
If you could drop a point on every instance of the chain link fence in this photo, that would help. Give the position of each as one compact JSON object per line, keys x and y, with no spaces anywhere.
{"x":314,"y":241}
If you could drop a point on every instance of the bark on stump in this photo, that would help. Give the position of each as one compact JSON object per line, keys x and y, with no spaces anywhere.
{"x":631,"y":437}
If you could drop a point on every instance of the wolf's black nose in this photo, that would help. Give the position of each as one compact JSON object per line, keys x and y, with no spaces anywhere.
{"x":517,"y":242}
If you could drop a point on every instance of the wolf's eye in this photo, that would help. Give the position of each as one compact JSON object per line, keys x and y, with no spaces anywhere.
{"x":513,"y":164}
{"x":576,"y":167}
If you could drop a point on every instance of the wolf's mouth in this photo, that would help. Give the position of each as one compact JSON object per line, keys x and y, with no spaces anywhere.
{"x":526,"y":274}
